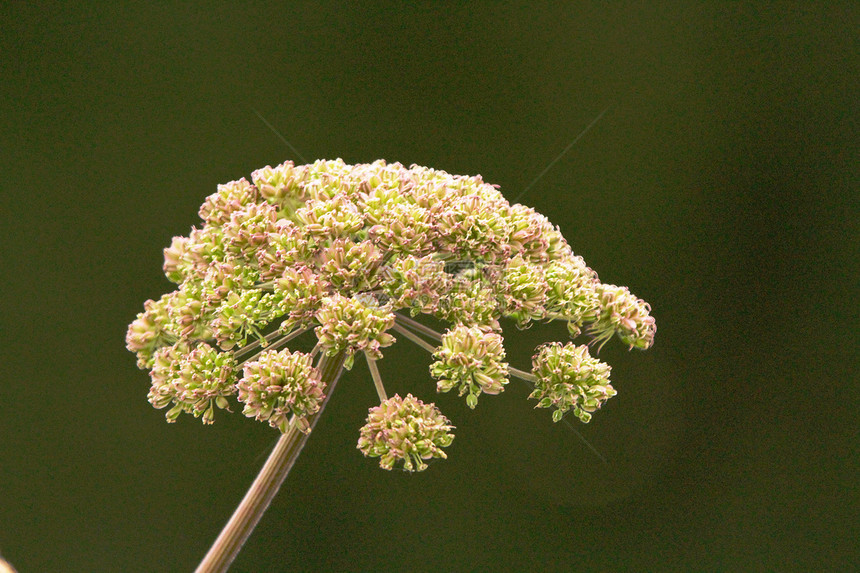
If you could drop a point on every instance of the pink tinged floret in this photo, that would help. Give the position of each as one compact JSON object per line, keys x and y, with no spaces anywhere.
{"x":279,"y":385}
{"x":407,"y":430}
{"x":218,"y":207}
{"x":623,"y":313}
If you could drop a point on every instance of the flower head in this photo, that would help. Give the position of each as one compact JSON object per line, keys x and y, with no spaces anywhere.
{"x":569,"y":378}
{"x":348,"y":251}
{"x":150,"y":331}
{"x":621,"y":312}
{"x":524,"y":289}
{"x":472,"y":360}
{"x":278,"y":385}
{"x":413,"y":283}
{"x":218,"y":208}
{"x":407,"y":430}
{"x":335,"y":217}
{"x":354,"y":324}
{"x":244,"y":314}
{"x":300,"y":292}
{"x":195,"y":380}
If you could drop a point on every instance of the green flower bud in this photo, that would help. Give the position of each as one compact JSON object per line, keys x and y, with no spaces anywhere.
{"x":281,"y":186}
{"x":186,"y":311}
{"x":557,"y":248}
{"x":572,"y":294}
{"x":569,"y":378}
{"x":395,"y":223}
{"x":204,"y":246}
{"x":190,"y":257}
{"x":354,"y":324}
{"x":523,"y":291}
{"x":177,"y":265}
{"x":416,"y":283}
{"x":472,"y":360}
{"x":248,"y":229}
{"x":196,"y":380}
{"x":470,"y":301}
{"x":327,"y":178}
{"x":288,"y":246}
{"x":221,"y":279}
{"x":301,"y":293}
{"x":527,"y":238}
{"x":244,"y":314}
{"x":330,"y":218}
{"x":474,"y":229}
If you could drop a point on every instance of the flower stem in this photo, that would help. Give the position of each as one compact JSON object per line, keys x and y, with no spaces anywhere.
{"x":415,"y":325}
{"x":414,"y":338}
{"x":522,"y":375}
{"x":268,"y":481}
{"x":271,"y":345}
{"x":377,"y":379}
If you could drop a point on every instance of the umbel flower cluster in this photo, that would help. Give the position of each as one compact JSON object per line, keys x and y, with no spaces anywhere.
{"x":356,"y":253}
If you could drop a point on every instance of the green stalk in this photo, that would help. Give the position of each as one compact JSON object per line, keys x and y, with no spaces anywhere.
{"x":377,"y":379}
{"x":268,"y":481}
{"x":414,"y":338}
{"x":415,"y":325}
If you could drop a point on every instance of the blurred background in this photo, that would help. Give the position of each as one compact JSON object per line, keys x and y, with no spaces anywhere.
{"x":721,"y":186}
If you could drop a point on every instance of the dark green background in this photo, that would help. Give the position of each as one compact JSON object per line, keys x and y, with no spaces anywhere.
{"x":721,"y":186}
